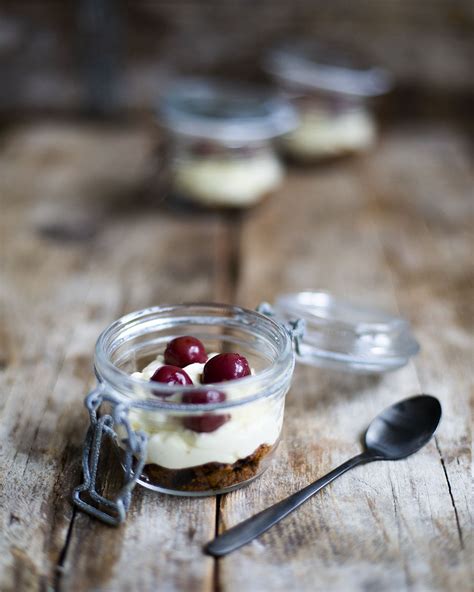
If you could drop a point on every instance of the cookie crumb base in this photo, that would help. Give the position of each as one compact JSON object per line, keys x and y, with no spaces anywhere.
{"x":210,"y":476}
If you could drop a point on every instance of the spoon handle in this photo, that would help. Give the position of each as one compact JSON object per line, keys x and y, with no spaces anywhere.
{"x":249,"y":529}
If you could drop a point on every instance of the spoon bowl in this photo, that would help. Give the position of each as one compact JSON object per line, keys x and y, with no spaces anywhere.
{"x":403,"y":428}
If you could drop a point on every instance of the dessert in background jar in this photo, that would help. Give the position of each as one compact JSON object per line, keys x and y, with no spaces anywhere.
{"x":330,"y":89}
{"x":219,"y":141}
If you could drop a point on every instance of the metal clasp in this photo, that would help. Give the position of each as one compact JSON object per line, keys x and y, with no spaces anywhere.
{"x":295,"y":328}
{"x":111,"y":512}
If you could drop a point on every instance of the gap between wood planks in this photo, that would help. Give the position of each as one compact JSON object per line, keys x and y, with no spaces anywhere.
{"x":216,"y":583}
{"x":230,"y":265}
{"x":456,"y":515}
{"x":59,"y":568}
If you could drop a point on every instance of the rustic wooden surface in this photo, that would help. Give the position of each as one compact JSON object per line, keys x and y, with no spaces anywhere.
{"x":84,"y":239}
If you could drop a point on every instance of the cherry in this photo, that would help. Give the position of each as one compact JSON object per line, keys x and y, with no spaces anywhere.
{"x":225,"y":367}
{"x":185,"y":350}
{"x":203,"y":397}
{"x":171,"y":375}
{"x":207,"y":422}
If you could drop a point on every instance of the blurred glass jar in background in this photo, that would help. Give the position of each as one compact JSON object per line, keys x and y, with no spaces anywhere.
{"x":219,"y":141}
{"x":330,"y":90}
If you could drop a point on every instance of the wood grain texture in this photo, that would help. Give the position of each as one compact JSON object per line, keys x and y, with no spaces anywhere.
{"x":59,"y":290}
{"x":85,"y":238}
{"x":382,"y":231}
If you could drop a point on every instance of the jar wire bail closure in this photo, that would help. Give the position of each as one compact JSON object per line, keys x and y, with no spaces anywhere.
{"x":296,"y":328}
{"x":112,"y":512}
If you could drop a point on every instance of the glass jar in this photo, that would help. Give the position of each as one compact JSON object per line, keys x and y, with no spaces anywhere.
{"x":330,"y":89}
{"x":183,"y":456}
{"x":172,"y":444}
{"x":219,"y":150}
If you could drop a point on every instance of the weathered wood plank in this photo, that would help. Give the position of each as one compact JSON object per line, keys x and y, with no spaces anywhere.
{"x":78,"y":251}
{"x":361,"y":230}
{"x":430,"y":256}
{"x":59,"y":290}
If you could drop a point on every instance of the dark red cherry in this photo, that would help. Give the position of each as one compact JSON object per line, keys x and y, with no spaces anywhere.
{"x":207,"y":422}
{"x":203,"y":397}
{"x":171,"y":375}
{"x":225,"y":367}
{"x":182,"y":351}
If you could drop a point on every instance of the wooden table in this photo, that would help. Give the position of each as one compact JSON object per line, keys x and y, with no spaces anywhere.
{"x":83,"y":242}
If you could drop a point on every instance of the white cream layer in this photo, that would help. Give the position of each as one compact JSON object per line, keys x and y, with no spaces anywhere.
{"x":194,"y":371}
{"x":173,"y":446}
{"x":322,"y":133}
{"x":228,"y":181}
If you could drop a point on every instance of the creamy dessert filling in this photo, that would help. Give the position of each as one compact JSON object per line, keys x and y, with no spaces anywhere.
{"x":227,"y":181}
{"x":172,"y":445}
{"x":323,"y":132}
{"x":194,"y":370}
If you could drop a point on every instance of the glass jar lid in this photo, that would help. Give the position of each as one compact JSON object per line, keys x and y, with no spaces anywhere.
{"x":225,"y":111}
{"x":341,"y":335}
{"x":313,"y":66}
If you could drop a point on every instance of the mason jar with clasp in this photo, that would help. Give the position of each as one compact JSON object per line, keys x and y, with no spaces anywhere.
{"x":207,"y":437}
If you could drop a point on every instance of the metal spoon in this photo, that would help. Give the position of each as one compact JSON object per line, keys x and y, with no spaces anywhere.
{"x":400,"y":430}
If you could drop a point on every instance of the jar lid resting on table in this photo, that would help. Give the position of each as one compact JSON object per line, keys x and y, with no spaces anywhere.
{"x":345,"y":336}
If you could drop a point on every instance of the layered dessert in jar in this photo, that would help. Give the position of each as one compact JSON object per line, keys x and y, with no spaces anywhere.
{"x":235,"y":177}
{"x":220,"y":151}
{"x":195,"y":392}
{"x":329,"y":128}
{"x":331,"y":88}
{"x":198,"y":450}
